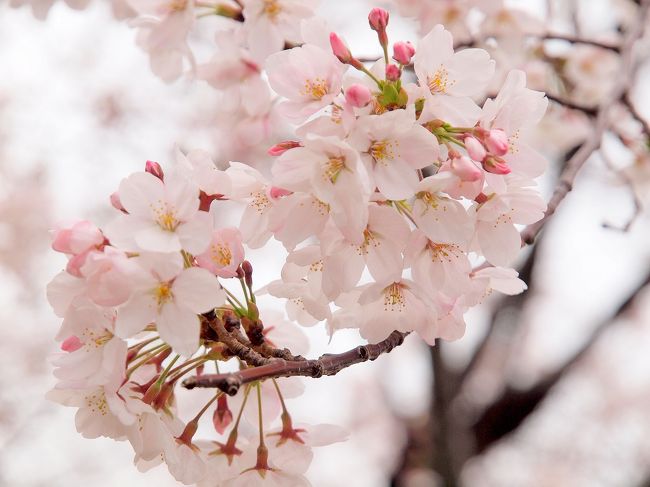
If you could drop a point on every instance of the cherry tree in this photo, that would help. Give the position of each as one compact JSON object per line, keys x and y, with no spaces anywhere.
{"x":405,"y":190}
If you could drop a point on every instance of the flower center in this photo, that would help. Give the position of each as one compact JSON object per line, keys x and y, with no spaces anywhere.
{"x":439,"y":82}
{"x":382,"y":150}
{"x":333,"y":168}
{"x":165,"y":216}
{"x":260,"y":201}
{"x":443,"y":251}
{"x":177,"y":5}
{"x":315,"y":89}
{"x":93,"y":339}
{"x":96,"y":402}
{"x":394,"y":298}
{"x":163,"y":293}
{"x":429,"y":199}
{"x":272,"y":9}
{"x":221,"y":255}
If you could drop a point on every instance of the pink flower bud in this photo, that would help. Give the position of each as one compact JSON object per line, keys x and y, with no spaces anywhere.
{"x":475,"y":149}
{"x":78,"y":238}
{"x":393,"y":73}
{"x":465,"y":169}
{"x":154,"y":168}
{"x":222,"y":416}
{"x":116,"y":203}
{"x":378,"y":19}
{"x":496,"y":165}
{"x":71,"y":344}
{"x":282,"y":147}
{"x":358,"y":95}
{"x":276,"y":192}
{"x":339,"y":48}
{"x":497,"y":142}
{"x":403,"y":52}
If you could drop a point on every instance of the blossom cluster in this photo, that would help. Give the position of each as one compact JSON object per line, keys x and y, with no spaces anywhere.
{"x":398,"y":202}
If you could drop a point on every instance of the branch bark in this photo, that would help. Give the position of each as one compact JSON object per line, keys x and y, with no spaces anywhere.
{"x":592,"y":144}
{"x":328,"y":364}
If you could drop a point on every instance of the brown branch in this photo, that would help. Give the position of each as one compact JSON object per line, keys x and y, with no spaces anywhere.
{"x":645,"y":125}
{"x":507,"y":412}
{"x":328,"y":364}
{"x":592,"y":144}
{"x":580,"y":40}
{"x":590,"y":111}
{"x":625,"y":178}
{"x":239,"y":349}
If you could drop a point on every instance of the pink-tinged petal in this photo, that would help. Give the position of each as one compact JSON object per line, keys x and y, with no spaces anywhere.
{"x":526,"y":161}
{"x":324,"y":434}
{"x":291,"y":171}
{"x":71,"y":344}
{"x":137,"y":313}
{"x":297,"y":217}
{"x":396,"y":180}
{"x":503,"y":280}
{"x":179,"y":327}
{"x":419,"y":148}
{"x":198,"y":290}
{"x":195,"y":234}
{"x":471,"y":70}
{"x":138,"y":191}
{"x":155,"y":239}
{"x":62,"y":290}
{"x":458,"y":111}
{"x":182,"y":195}
{"x":499,"y":240}
{"x":384,"y":261}
{"x":433,"y":50}
{"x":121,"y":231}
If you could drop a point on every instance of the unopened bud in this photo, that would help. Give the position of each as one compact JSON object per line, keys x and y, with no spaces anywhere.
{"x":339,"y":49}
{"x":247,"y":267}
{"x":71,"y":344}
{"x":154,"y":169}
{"x":465,"y":169}
{"x":276,"y":192}
{"x":282,"y":147}
{"x":497,"y":142}
{"x":358,"y":95}
{"x":378,"y":19}
{"x":475,"y":149}
{"x":116,"y":203}
{"x":403,"y":52}
{"x":393,"y":73}
{"x":222,"y":416}
{"x":496,"y":165}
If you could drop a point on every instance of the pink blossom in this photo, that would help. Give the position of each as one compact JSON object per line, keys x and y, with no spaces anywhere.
{"x":393,"y":147}
{"x":340,"y":49}
{"x":497,"y":142}
{"x":475,"y":149}
{"x":224,"y":254}
{"x":403,"y":52}
{"x":170,"y":296}
{"x":465,"y":169}
{"x":358,"y":95}
{"x":163,"y":217}
{"x":309,"y":77}
{"x":378,"y":19}
{"x":393,"y":73}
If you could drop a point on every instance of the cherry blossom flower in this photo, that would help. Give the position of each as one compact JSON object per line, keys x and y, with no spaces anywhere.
{"x":162,"y":217}
{"x":448,"y":79}
{"x":308,"y":76}
{"x":393,"y":147}
{"x":271,"y":23}
{"x":171,"y":297}
{"x":224,"y":253}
